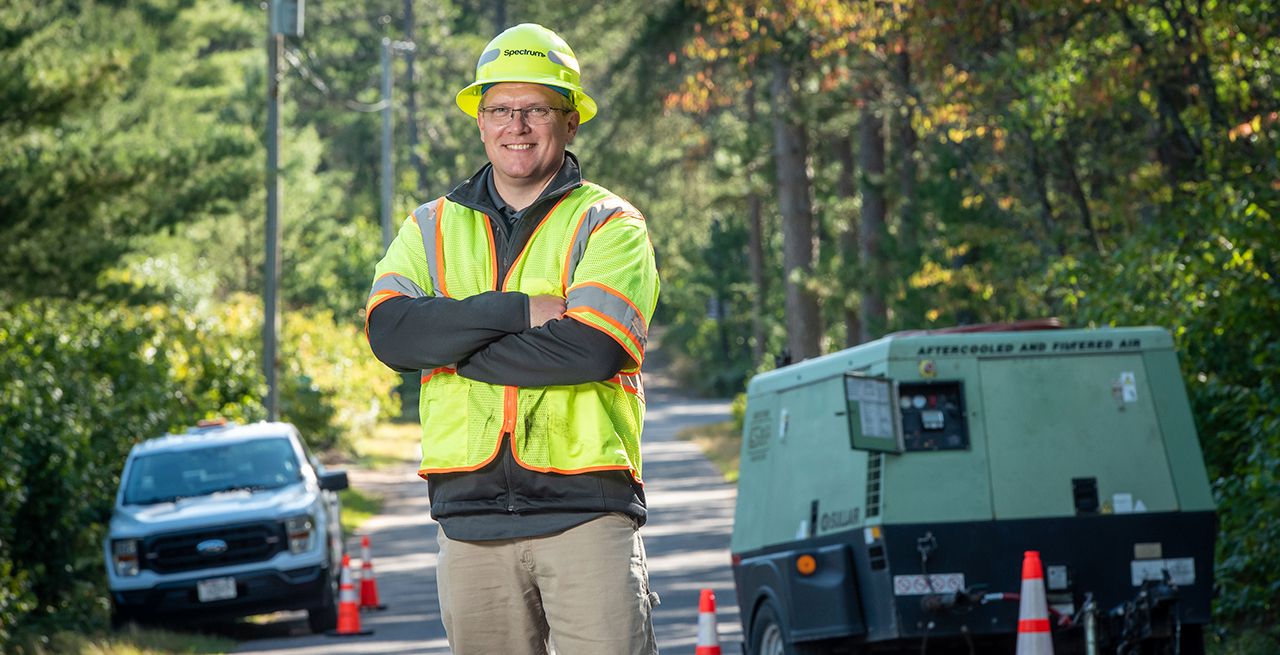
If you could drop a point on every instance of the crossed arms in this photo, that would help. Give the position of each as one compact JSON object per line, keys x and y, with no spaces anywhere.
{"x":506,"y":338}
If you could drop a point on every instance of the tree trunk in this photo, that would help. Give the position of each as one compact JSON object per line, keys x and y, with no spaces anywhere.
{"x":872,"y":230}
{"x":1177,"y":150}
{"x":755,"y":255}
{"x":847,"y":190}
{"x":905,"y":149}
{"x":791,"y":155}
{"x":755,"y":251}
{"x":1040,"y":180}
{"x":1077,"y":193}
{"x":499,"y":16}
{"x":411,"y":101}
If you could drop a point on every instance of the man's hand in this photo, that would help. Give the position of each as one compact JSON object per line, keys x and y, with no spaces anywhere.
{"x":543,"y":309}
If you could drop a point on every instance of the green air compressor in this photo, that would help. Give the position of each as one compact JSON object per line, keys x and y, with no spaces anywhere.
{"x":888,"y":493}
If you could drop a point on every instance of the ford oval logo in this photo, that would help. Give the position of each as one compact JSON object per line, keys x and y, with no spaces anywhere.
{"x":211,"y":547}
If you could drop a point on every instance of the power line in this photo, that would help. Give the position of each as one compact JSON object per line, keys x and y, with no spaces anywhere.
{"x":296,"y":62}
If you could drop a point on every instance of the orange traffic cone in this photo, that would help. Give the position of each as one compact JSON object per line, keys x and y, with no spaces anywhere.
{"x":368,"y":583}
{"x":348,"y":613}
{"x":708,"y":639}
{"x":1033,"y":610}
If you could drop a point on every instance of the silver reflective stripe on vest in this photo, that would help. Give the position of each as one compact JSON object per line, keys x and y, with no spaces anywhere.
{"x":426,"y":217}
{"x":397,"y":283}
{"x":596,"y":215}
{"x":610,"y":305}
{"x":631,"y":383}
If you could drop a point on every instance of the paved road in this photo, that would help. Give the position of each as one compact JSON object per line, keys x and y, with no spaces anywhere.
{"x":687,"y":539}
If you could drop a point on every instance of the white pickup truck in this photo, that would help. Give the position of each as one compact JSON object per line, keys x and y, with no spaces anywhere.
{"x":225,"y":521}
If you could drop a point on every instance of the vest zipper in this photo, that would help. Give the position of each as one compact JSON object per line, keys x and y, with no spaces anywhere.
{"x":506,"y":253}
{"x":509,"y":430}
{"x":506,"y":472}
{"x":501,"y":252}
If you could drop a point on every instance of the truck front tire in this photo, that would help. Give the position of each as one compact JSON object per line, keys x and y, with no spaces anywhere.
{"x":325,"y":618}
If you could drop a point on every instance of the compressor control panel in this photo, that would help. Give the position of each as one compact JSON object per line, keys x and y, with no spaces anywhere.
{"x":933,"y":416}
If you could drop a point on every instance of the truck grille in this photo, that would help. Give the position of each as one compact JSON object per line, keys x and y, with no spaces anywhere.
{"x":248,"y":542}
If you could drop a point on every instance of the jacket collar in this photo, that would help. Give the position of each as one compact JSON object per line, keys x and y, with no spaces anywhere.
{"x":474,"y":193}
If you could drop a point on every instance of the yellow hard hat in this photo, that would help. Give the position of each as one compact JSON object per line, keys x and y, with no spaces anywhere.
{"x":528,"y":53}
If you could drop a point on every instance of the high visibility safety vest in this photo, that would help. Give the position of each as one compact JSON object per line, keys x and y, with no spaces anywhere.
{"x":593,"y":250}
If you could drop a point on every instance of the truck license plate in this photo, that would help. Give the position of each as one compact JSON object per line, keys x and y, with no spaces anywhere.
{"x":216,"y":589}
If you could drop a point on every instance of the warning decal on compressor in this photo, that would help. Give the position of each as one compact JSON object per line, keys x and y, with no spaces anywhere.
{"x":1182,"y":570}
{"x":934,"y":583}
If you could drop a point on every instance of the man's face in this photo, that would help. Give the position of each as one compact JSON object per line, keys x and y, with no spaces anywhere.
{"x":520,"y":151}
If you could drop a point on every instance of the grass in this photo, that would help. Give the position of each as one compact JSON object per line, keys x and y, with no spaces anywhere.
{"x":130,"y":641}
{"x":388,"y":445}
{"x":1239,"y":641}
{"x":720,"y":442}
{"x":357,"y":507}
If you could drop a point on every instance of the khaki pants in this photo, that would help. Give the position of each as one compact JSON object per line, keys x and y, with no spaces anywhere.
{"x":586,"y":588}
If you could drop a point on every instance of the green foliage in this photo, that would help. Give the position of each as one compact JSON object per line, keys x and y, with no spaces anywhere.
{"x":104,"y":140}
{"x":738,"y":411}
{"x":720,"y":330}
{"x":85,"y":385}
{"x":357,"y":507}
{"x":333,"y":390}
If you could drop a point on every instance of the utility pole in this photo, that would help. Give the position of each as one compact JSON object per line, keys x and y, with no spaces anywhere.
{"x":387,"y":171}
{"x":411,"y":101}
{"x":285,"y":17}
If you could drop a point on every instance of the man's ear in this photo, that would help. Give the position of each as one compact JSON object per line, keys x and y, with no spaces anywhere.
{"x":572,"y":125}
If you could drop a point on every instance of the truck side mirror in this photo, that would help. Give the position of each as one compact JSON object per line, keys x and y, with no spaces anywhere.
{"x":334,"y":481}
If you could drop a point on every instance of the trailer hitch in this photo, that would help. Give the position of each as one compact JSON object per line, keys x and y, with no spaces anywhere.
{"x":1151,"y":615}
{"x":955,"y":601}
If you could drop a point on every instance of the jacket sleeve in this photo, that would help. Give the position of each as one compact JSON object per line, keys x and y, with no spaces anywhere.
{"x":613,"y":286}
{"x":410,"y":328}
{"x":409,"y":334}
{"x":563,"y":351}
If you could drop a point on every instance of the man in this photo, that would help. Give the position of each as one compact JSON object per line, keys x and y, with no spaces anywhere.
{"x":524,"y":297}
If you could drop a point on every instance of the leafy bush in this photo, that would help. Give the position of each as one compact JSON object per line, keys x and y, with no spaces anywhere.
{"x":330,"y":385}
{"x":334,"y":387}
{"x":84,"y":384}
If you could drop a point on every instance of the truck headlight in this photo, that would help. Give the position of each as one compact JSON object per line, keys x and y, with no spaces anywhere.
{"x":301,"y":530}
{"x":124,"y":556}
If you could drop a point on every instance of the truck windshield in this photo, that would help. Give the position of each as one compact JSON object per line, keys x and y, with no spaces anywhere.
{"x":169,"y":476}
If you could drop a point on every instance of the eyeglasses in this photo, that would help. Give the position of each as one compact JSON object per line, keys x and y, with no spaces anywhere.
{"x":535,"y":115}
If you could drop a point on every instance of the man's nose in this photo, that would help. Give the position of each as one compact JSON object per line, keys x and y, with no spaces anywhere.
{"x":519,"y":121}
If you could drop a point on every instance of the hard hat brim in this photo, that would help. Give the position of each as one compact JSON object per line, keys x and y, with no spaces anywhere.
{"x":468,"y":99}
